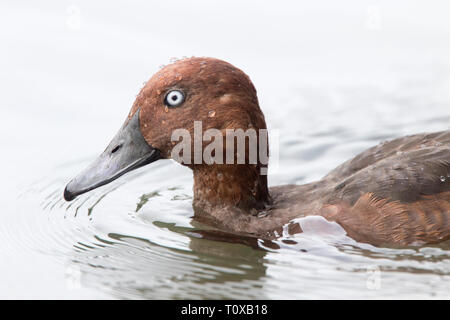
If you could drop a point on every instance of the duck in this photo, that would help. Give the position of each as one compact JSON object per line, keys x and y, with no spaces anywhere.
{"x":396,"y":193}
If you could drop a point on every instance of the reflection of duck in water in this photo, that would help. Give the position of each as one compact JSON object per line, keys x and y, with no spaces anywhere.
{"x":133,"y":267}
{"x":395,"y":193}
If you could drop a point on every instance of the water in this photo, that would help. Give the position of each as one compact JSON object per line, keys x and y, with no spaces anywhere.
{"x":334,"y":81}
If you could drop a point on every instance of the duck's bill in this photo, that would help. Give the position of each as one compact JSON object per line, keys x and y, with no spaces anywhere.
{"x":126,"y":152}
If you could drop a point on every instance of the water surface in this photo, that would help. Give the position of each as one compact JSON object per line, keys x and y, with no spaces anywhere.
{"x":333,"y":81}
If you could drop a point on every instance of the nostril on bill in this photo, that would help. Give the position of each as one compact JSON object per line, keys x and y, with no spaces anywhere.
{"x":116,"y":148}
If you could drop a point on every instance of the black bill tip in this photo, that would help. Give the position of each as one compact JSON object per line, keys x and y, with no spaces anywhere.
{"x":68,"y":196}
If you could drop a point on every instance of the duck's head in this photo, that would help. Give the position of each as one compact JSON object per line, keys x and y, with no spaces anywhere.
{"x":208,"y":90}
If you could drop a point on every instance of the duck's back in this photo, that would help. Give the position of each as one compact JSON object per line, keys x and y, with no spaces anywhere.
{"x":396,"y":192}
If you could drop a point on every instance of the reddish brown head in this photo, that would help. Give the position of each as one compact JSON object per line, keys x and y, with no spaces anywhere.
{"x":214,"y":92}
{"x":208,"y":90}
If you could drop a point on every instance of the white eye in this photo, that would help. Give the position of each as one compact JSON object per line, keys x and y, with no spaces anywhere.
{"x":174,"y":98}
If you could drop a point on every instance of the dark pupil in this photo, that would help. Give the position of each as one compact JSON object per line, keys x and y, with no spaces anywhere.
{"x":174,"y":98}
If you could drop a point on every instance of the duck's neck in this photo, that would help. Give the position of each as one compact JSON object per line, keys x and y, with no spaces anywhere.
{"x":237,"y":186}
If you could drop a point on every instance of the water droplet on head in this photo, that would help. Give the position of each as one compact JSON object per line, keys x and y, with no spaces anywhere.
{"x":219,"y":176}
{"x":442,"y":178}
{"x":211,"y":114}
{"x":262,"y":214}
{"x":166,"y":109}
